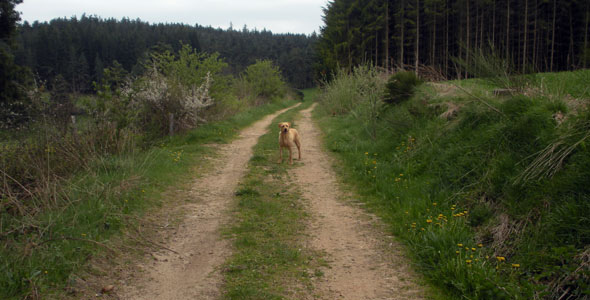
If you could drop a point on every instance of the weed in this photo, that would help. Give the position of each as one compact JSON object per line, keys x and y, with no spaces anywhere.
{"x":504,"y":174}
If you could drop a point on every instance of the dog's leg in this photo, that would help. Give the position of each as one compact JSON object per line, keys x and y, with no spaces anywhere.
{"x":298,"y":147}
{"x":290,"y":155}
{"x":280,"y":155}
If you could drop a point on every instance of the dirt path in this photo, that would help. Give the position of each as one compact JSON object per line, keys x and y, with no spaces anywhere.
{"x":363,"y":262}
{"x":191,"y":272}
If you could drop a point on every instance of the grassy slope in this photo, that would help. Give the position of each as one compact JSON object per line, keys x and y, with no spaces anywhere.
{"x":45,"y":250}
{"x":447,"y":187}
{"x":269,"y":261}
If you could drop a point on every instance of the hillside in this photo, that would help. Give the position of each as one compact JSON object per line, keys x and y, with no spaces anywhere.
{"x":489,"y":193}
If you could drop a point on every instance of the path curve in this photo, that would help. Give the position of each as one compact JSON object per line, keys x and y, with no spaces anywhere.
{"x":192,"y":272}
{"x":363,"y":263}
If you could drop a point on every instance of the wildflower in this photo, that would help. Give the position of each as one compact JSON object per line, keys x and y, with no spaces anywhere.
{"x":473,"y":249}
{"x":457,"y":252}
{"x":468,"y":261}
{"x":434,"y":203}
{"x":480,"y":245}
{"x":428,"y":221}
{"x":366,"y":153}
{"x":501,"y":258}
{"x":45,"y":272}
{"x":422,"y":229}
{"x":407,"y":212}
{"x":516,"y":265}
{"x":460,"y":245}
{"x":401,"y":175}
{"x":83,"y":234}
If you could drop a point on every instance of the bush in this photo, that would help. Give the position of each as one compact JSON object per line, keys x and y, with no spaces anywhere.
{"x":264,"y":81}
{"x":400,"y":87}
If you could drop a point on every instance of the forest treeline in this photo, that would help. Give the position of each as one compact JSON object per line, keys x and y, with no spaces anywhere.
{"x":532,"y":35}
{"x":79,"y":49}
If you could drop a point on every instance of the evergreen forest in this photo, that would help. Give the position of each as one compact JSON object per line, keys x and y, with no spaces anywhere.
{"x":532,"y":35}
{"x":80,"y":49}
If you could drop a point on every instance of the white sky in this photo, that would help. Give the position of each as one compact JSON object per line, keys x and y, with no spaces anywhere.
{"x":278,"y":16}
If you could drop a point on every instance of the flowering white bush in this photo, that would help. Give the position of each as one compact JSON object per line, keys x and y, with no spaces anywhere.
{"x":159,"y":96}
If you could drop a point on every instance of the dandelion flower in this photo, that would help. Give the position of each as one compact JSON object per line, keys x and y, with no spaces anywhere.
{"x":460,"y":245}
{"x":480,"y":245}
{"x":501,"y":258}
{"x":516,"y":265}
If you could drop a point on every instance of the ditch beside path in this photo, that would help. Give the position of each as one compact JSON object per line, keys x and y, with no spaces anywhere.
{"x":192,"y":270}
{"x":363,"y":261}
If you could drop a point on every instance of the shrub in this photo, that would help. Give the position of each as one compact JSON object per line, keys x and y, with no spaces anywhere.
{"x":265,"y":81}
{"x":400,"y":87}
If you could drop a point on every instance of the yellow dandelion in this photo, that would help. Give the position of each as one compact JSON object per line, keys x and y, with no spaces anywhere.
{"x":460,"y":245}
{"x":473,"y":249}
{"x":480,"y":245}
{"x":468,"y":261}
{"x":501,"y":258}
{"x":516,"y":265}
{"x":428,"y":221}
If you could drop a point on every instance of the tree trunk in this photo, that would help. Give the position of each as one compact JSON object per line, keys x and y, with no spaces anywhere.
{"x":535,"y":37}
{"x":571,"y":57}
{"x":447,"y":40}
{"x":417,"y":51}
{"x":507,"y":30}
{"x":586,"y":50}
{"x":526,"y":26}
{"x":553,"y":36}
{"x":494,"y":25}
{"x":468,"y":49}
{"x":401,"y":47}
{"x":387,"y":35}
{"x":434,"y":28}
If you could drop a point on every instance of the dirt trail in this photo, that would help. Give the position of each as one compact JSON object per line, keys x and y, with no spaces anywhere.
{"x":192,"y":272}
{"x":363,"y":262}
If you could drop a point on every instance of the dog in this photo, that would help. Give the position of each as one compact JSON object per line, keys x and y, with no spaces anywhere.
{"x":288,"y":138}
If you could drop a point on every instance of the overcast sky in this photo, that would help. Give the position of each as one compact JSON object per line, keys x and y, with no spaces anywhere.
{"x":278,"y":16}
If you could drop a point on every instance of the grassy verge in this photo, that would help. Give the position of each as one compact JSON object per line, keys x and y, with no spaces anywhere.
{"x":479,"y":197}
{"x":269,"y":260}
{"x":39,"y":254}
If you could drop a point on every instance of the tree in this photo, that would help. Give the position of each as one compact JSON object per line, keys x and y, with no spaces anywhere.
{"x":14,"y":106}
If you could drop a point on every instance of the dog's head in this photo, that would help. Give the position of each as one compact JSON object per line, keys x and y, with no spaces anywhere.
{"x":284,"y":126}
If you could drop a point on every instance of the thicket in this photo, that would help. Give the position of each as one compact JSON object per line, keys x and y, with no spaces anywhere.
{"x":488,"y":192}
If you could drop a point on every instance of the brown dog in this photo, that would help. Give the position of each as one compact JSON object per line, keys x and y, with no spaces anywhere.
{"x":288,"y":138}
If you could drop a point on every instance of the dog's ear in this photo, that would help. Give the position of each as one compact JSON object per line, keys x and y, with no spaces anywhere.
{"x":280,"y":125}
{"x":289,"y":123}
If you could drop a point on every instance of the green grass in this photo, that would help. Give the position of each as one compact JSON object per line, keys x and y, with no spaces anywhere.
{"x":269,"y":259}
{"x":421,"y":171}
{"x":39,"y":254}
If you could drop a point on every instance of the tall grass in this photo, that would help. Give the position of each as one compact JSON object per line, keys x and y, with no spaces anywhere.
{"x":269,"y":260}
{"x":447,"y":186}
{"x":50,"y":239}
